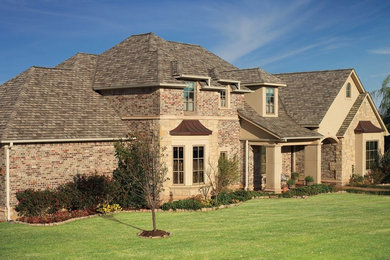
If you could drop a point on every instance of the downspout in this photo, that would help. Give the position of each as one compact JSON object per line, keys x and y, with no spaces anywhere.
{"x":7,"y":182}
{"x":246,"y":164}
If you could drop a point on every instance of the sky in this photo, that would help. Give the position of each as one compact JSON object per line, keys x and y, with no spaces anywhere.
{"x":278,"y":35}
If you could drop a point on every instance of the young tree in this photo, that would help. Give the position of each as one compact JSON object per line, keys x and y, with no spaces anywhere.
{"x":141,"y":158}
{"x":384,"y":94}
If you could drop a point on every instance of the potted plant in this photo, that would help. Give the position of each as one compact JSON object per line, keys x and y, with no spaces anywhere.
{"x":284,"y":188}
{"x":295,"y":176}
{"x":309,"y":180}
{"x":291,"y":183}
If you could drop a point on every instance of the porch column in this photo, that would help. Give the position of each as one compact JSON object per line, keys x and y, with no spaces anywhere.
{"x":273,"y":168}
{"x":313,"y":162}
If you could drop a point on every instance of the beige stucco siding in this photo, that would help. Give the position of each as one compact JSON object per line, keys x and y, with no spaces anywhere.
{"x":339,"y":109}
{"x":353,"y":154}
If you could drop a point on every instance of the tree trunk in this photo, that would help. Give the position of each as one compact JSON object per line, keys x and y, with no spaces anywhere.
{"x":154,"y":219}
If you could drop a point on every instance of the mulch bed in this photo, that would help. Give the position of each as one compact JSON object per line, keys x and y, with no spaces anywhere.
{"x":154,"y":233}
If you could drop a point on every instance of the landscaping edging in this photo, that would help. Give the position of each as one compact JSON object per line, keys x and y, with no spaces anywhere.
{"x":128,"y":211}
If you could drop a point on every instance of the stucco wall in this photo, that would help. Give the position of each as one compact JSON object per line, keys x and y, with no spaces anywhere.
{"x":365,"y":113}
{"x":42,"y":166}
{"x":339,"y":109}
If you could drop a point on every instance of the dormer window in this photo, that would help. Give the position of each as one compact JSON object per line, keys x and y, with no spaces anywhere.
{"x":348,"y":90}
{"x":270,"y":101}
{"x":189,"y":96}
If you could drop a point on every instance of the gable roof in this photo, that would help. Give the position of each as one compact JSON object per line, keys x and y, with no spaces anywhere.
{"x":351,"y":114}
{"x":147,"y":59}
{"x":281,"y":127}
{"x":57,"y":103}
{"x":309,"y":95}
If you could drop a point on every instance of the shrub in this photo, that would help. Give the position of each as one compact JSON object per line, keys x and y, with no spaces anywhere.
{"x":182,"y":204}
{"x":228,"y":173}
{"x":356,"y":179}
{"x":307,"y":191}
{"x":85,"y":192}
{"x":34,"y":202}
{"x":107,"y":208}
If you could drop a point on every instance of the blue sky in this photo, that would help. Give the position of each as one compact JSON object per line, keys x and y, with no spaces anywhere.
{"x":279,"y":36}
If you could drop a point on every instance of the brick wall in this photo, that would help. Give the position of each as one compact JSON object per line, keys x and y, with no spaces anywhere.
{"x":300,"y":159}
{"x":134,"y":102}
{"x":42,"y":166}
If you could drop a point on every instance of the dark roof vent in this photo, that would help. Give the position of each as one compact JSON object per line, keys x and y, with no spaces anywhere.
{"x":190,"y":127}
{"x":367,"y":127}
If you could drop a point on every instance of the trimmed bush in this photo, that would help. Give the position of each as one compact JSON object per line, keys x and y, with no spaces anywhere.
{"x":182,"y":204}
{"x":307,"y":191}
{"x":84,"y":193}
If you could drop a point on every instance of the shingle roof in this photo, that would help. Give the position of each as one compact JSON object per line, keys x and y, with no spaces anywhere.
{"x":148,"y":59}
{"x":308,"y":95}
{"x":282,"y":126}
{"x":351,"y":114}
{"x":57,"y":103}
{"x":248,"y":76}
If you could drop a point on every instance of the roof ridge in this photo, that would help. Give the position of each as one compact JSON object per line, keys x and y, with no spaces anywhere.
{"x":23,"y":89}
{"x":256,"y":68}
{"x":183,"y":43}
{"x":312,"y":71}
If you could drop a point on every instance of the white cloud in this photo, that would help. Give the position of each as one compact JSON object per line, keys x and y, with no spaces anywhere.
{"x":246,"y":31}
{"x":385,"y":51}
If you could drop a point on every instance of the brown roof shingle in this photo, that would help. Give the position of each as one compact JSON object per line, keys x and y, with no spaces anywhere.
{"x":308,"y":95}
{"x":282,"y":126}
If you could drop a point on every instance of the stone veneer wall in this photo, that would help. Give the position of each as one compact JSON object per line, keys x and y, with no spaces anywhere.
{"x":42,"y":166}
{"x":365,"y":113}
{"x":300,"y":160}
{"x":2,"y":178}
{"x":286,"y":160}
{"x":328,"y":161}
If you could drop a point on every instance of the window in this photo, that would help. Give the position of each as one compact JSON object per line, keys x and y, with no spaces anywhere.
{"x":189,"y":96}
{"x":270,"y":101}
{"x":178,"y":165}
{"x":371,"y":154}
{"x":198,"y":164}
{"x":222,"y":98}
{"x":348,"y":90}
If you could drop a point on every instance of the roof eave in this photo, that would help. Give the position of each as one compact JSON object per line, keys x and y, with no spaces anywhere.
{"x":166,"y":85}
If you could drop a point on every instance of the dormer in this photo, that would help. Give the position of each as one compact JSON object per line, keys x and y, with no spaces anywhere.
{"x":264,"y":99}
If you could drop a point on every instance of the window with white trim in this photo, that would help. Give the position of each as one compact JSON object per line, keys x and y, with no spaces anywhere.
{"x":223,"y":98}
{"x":189,"y":96}
{"x":198,"y":164}
{"x":178,"y":165}
{"x":270,"y":100}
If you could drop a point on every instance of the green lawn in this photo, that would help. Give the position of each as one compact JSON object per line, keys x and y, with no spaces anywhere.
{"x":328,"y":226}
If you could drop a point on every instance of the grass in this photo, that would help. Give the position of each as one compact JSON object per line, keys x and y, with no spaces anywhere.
{"x":328,"y":226}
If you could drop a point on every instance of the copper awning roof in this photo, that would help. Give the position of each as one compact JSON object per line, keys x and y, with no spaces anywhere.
{"x":367,"y":127}
{"x":190,"y":127}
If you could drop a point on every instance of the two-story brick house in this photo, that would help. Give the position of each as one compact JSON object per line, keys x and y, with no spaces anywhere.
{"x":62,"y":121}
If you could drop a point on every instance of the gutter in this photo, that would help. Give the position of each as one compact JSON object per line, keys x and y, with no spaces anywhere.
{"x":59,"y":140}
{"x":7,"y":180}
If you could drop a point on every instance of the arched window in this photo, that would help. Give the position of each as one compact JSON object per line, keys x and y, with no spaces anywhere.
{"x":348,"y":90}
